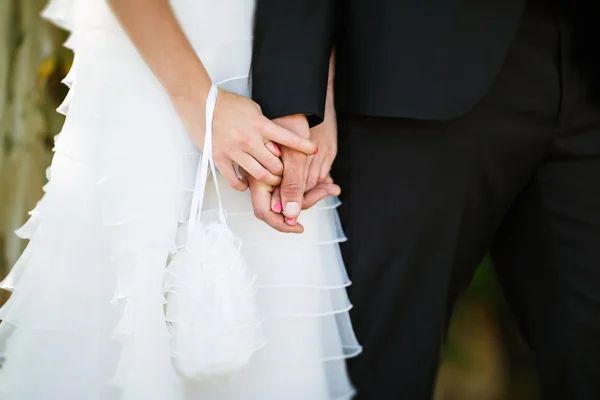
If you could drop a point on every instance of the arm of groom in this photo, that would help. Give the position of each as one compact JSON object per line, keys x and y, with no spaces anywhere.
{"x":293,"y":41}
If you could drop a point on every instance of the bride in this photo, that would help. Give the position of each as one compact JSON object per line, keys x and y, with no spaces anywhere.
{"x":92,"y":314}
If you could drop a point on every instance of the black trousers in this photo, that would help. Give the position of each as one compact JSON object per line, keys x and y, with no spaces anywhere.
{"x":425,"y":200}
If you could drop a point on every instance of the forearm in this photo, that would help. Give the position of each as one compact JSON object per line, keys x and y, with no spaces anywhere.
{"x":158,"y":37}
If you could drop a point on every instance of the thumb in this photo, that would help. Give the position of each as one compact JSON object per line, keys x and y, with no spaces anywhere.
{"x":292,"y":188}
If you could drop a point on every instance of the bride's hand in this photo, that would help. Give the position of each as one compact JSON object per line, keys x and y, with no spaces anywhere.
{"x":241,"y":132}
{"x":244,"y":136}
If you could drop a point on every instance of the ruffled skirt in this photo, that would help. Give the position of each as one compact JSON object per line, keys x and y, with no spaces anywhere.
{"x":86,"y":319}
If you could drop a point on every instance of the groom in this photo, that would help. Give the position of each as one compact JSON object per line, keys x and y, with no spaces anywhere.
{"x":463,"y":126}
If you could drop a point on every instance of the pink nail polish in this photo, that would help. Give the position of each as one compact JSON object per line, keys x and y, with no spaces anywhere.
{"x":277,"y":207}
{"x":316,"y":151}
{"x":277,"y":148}
{"x":290,"y":221}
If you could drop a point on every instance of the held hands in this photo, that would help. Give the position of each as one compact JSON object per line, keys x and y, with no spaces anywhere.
{"x":318,"y":182}
{"x":242,"y":135}
{"x":283,"y":178}
{"x":305,"y":181}
{"x":306,"y":177}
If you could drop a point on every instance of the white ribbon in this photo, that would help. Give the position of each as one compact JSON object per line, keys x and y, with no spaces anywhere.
{"x":202,"y":173}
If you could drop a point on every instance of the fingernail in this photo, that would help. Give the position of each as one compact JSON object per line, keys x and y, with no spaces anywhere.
{"x":292,"y":208}
{"x":316,"y":151}
{"x":273,"y":148}
{"x":290,"y":221}
{"x":277,"y":207}
{"x":277,"y":149}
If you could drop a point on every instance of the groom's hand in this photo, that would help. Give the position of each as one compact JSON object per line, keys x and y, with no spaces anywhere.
{"x":295,"y":170}
{"x":322,"y":190}
{"x":261,"y":202}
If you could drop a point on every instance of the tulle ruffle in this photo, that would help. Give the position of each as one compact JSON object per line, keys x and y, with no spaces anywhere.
{"x":86,"y":317}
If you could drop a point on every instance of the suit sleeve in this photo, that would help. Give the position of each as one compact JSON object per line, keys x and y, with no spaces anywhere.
{"x":293,"y":40}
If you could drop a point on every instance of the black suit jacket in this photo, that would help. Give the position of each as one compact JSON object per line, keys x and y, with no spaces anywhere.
{"x":426,"y":59}
{"x":394,"y":58}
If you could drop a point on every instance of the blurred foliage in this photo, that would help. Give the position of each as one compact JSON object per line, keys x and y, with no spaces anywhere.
{"x":484,"y":358}
{"x":32,"y":62}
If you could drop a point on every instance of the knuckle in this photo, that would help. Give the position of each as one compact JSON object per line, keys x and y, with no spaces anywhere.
{"x":260,"y":214}
{"x":259,"y":123}
{"x":244,"y":139}
{"x":262,"y":175}
{"x":291,"y":188}
{"x":276,"y":180}
{"x":277,"y":167}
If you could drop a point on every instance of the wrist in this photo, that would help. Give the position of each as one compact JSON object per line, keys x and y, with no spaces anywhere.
{"x":189,"y":102}
{"x":190,"y":89}
{"x":294,"y":118}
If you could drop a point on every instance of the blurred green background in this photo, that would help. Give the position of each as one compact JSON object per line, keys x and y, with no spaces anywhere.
{"x":484,"y":358}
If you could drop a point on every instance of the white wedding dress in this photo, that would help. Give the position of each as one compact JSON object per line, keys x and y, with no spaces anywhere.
{"x":86,"y":319}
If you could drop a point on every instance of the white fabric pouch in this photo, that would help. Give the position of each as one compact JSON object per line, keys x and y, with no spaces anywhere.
{"x":211,"y":307}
